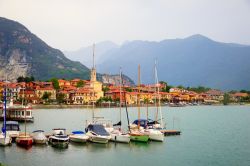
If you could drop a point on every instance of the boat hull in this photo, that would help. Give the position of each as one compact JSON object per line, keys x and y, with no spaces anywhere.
{"x":39,"y":138}
{"x":122,"y":138}
{"x":99,"y":139}
{"x":78,"y":139}
{"x":40,"y":141}
{"x":58,"y":143}
{"x":155,"y":135}
{"x":4,"y":141}
{"x":139,"y":138}
{"x":24,"y":141}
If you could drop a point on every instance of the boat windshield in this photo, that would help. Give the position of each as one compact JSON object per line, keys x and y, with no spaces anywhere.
{"x":12,"y":128}
{"x":98,"y":129}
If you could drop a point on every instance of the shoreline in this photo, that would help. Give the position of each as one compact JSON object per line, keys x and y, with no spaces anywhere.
{"x":64,"y":106}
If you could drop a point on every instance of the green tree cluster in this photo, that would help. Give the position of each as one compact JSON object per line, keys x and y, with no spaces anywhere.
{"x":55,"y":83}
{"x":104,"y":99}
{"x":226,"y":99}
{"x":80,"y":84}
{"x":46,"y":96}
{"x":199,"y":89}
{"x":25,"y":79}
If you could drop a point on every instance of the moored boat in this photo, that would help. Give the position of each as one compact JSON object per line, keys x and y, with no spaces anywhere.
{"x":5,"y":139}
{"x":24,"y":140}
{"x":12,"y":129}
{"x":18,"y":112}
{"x":118,"y":136}
{"x":59,"y":139}
{"x":39,"y":137}
{"x":97,"y":133}
{"x":151,"y":129}
{"x":138,"y":136}
{"x":79,"y":137}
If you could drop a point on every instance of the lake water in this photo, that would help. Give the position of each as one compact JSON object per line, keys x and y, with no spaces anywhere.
{"x":211,"y":135}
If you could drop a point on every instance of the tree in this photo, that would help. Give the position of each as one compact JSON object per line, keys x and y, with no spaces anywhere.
{"x":46,"y":96}
{"x":128,"y":89}
{"x":25,"y":79}
{"x":226,"y":99}
{"x":60,"y":98}
{"x":20,"y":79}
{"x":105,"y":89}
{"x":80,"y":84}
{"x":55,"y":83}
{"x":167,"y":87}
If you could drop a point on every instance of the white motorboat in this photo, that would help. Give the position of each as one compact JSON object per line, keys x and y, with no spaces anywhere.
{"x":79,"y":137}
{"x":39,"y":137}
{"x":97,"y":133}
{"x":59,"y":139}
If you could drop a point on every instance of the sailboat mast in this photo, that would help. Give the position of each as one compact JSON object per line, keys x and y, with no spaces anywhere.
{"x":159,"y":97}
{"x":138,"y":96}
{"x":24,"y":116}
{"x":93,"y":84}
{"x":120,"y":89}
{"x":125,"y":101}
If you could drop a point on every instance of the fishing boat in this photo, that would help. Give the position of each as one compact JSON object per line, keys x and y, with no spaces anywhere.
{"x":39,"y":137}
{"x":79,"y":137}
{"x":97,"y":133}
{"x":5,"y":138}
{"x":137,"y":132}
{"x":59,"y":139}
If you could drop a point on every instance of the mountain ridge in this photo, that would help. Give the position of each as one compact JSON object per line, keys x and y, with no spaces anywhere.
{"x":192,"y":61}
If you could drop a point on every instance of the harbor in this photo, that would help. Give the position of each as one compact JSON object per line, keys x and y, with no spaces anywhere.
{"x":197,"y":139}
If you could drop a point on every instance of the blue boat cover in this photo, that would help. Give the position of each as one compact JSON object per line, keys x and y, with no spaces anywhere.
{"x":77,"y":132}
{"x":98,"y":129}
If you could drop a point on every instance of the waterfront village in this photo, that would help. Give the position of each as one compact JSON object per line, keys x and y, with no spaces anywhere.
{"x":86,"y":92}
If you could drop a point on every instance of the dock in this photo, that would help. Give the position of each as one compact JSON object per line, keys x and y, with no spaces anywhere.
{"x":171,"y":132}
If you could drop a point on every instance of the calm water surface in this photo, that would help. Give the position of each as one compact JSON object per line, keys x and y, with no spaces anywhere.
{"x":211,"y":135}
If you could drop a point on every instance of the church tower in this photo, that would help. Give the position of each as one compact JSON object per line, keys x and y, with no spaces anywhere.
{"x":93,"y":70}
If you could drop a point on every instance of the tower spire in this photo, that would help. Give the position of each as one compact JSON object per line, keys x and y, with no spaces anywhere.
{"x":93,"y":70}
{"x":94,"y":56}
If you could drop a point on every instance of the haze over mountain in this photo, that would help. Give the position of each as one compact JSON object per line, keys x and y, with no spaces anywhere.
{"x":24,"y":54}
{"x":192,"y":61}
{"x":84,"y":54}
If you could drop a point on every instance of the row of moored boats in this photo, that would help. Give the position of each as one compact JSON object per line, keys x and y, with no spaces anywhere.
{"x":99,"y":131}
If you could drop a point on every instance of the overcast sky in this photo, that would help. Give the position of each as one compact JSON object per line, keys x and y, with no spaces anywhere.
{"x":71,"y":24}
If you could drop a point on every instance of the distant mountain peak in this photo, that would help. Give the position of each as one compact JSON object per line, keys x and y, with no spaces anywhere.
{"x":198,"y":37}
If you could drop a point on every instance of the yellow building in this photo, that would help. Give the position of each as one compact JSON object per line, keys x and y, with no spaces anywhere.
{"x":92,"y":90}
{"x":40,"y":92}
